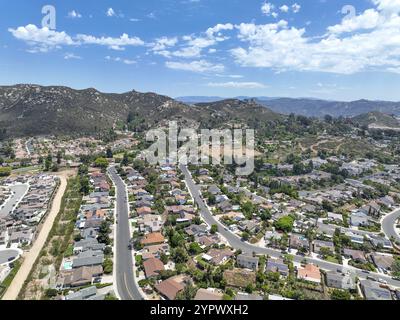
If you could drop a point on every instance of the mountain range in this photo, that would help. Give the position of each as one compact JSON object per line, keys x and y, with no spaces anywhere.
{"x":312,"y":107}
{"x":27,"y":109}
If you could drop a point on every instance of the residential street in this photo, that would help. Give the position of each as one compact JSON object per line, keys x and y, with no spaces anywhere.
{"x":126,"y":286}
{"x":237,"y":243}
{"x":388,"y":225}
{"x":19,"y":191}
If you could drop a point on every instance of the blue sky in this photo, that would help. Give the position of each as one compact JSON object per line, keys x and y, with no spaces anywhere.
{"x":207,"y":47}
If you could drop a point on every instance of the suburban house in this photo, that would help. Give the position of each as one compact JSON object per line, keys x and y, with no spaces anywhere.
{"x":217,"y":256}
{"x":152,"y":267}
{"x":247,"y":262}
{"x":277,"y":265}
{"x":341,"y":281}
{"x":152,"y":238}
{"x":373,"y":291}
{"x":169,"y":288}
{"x":310,"y":273}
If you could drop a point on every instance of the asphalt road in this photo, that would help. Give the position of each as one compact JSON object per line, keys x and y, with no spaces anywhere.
{"x":126,"y":285}
{"x":237,"y":243}
{"x":8,"y":255}
{"x":388,"y":225}
{"x":18,"y":192}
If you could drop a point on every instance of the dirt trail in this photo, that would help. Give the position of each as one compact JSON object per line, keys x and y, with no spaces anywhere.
{"x":31,"y":255}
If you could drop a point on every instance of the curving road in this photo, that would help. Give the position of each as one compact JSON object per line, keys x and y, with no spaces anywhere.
{"x":126,"y":286}
{"x":19,"y":190}
{"x":237,"y":243}
{"x":9,"y":255}
{"x":389,"y":225}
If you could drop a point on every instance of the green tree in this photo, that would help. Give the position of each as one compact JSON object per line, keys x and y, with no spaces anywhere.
{"x":125,"y":160}
{"x":108,"y":266}
{"x":194,"y":248}
{"x":109,"y":153}
{"x":101,"y":163}
{"x":214,"y":229}
{"x":59,"y":157}
{"x":284,"y":223}
{"x":5,"y":171}
{"x":180,"y":255}
{"x":48,"y":162}
{"x":396,"y":268}
{"x":340,"y":295}
{"x":103,"y":235}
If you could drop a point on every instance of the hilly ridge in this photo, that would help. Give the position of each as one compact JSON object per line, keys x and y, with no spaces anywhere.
{"x":313,"y":107}
{"x":38,"y":110}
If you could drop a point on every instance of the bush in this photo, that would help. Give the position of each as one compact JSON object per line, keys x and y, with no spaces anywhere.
{"x":5,"y":171}
{"x":108,"y":266}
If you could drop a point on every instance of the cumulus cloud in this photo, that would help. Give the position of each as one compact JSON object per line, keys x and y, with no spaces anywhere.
{"x":193,"y":45}
{"x":43,"y":39}
{"x":267,"y":8}
{"x":369,"y":41}
{"x":370,"y":19}
{"x":284,"y":8}
{"x":237,"y":85}
{"x":200,"y":66}
{"x":112,"y":43}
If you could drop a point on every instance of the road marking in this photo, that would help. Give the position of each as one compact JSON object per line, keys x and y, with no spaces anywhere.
{"x":128,"y":288}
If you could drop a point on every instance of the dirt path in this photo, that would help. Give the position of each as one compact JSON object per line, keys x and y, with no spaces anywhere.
{"x":31,"y":255}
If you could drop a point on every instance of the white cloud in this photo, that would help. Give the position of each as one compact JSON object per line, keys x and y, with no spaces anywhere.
{"x":74,"y":14}
{"x":119,"y":59}
{"x":112,"y":43}
{"x":232,"y":76}
{"x":193,"y":46}
{"x":163,"y":43}
{"x":69,"y":56}
{"x":391,"y":6}
{"x":217,"y":29}
{"x":111,"y":13}
{"x":369,"y":41}
{"x":284,"y":8}
{"x":237,"y":85}
{"x":43,"y":39}
{"x":296,"y":8}
{"x":200,"y":66}
{"x":267,"y":8}
{"x":367,"y":20}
